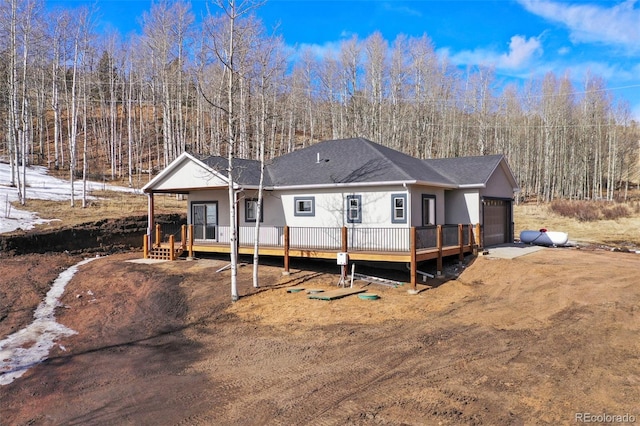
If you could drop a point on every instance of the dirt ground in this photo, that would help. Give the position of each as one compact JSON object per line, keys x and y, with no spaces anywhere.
{"x":534,"y":340}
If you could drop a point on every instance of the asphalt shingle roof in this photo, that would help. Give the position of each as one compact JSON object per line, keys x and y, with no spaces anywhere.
{"x":355,"y":160}
{"x":466,"y":170}
{"x":358,"y":160}
{"x":246,"y":172}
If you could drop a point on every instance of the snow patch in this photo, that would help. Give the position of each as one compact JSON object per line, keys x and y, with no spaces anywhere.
{"x":40,"y":186}
{"x":32,"y":344}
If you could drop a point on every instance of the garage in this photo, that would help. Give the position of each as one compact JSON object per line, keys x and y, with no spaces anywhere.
{"x":497,"y":221}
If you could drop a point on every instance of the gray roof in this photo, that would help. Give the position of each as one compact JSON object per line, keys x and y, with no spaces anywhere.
{"x":355,"y":160}
{"x":358,"y":160}
{"x":466,"y":170}
{"x":245,"y":172}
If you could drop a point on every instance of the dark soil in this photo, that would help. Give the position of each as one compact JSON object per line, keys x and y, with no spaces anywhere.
{"x":534,"y":340}
{"x":104,"y":237}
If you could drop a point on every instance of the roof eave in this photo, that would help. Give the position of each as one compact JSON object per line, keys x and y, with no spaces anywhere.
{"x":147,"y":189}
{"x":473,"y":186}
{"x":344,"y":185}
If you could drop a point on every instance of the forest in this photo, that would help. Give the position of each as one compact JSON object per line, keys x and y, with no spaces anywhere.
{"x":109,"y":106}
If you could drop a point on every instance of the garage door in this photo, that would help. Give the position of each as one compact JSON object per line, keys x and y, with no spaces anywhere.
{"x":496,"y":222}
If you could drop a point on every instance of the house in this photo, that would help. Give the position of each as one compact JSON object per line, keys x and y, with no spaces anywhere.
{"x":373,"y":194}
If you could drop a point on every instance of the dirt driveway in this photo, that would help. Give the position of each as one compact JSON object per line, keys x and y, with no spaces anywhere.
{"x":538,"y":339}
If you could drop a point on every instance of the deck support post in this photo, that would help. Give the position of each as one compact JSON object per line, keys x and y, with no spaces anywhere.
{"x":190,"y":238}
{"x":172,"y":252}
{"x":183,"y":236}
{"x":439,"y":243}
{"x":478,"y":243}
{"x":344,"y":247}
{"x":461,"y":242}
{"x":285,"y":232}
{"x":414,"y":262}
{"x":471,"y":244}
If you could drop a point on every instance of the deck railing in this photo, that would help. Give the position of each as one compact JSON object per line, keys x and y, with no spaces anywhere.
{"x":450,"y":235}
{"x":164,"y":232}
{"x":379,"y":239}
{"x":269,"y":235}
{"x":418,"y":243}
{"x":426,"y":237}
{"x":315,"y":238}
{"x":339,"y":239}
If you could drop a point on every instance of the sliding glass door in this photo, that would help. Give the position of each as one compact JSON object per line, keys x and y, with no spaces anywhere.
{"x":204,"y":217}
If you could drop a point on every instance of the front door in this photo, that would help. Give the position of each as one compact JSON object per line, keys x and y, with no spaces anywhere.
{"x":428,"y":209}
{"x":204,"y":217}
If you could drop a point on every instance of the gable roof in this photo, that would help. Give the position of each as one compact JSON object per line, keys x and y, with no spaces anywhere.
{"x":245,"y":172}
{"x":471,"y":171}
{"x":184,"y":174}
{"x":339,"y":162}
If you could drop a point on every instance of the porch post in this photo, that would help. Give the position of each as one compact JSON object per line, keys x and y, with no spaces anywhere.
{"x":145,"y":247}
{"x":439,"y":242}
{"x":285,"y":235}
{"x":414,"y":261}
{"x":150,"y":213}
{"x":158,"y":235}
{"x":478,"y":236}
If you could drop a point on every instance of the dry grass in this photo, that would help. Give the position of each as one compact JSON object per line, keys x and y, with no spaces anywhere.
{"x":103,"y":205}
{"x":619,"y":232}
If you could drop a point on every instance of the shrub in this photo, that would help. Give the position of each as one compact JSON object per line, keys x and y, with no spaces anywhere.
{"x":615,"y":212}
{"x":562,"y":207}
{"x":589,"y":211}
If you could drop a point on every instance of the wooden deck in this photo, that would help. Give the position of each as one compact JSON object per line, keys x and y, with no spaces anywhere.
{"x":171,"y":249}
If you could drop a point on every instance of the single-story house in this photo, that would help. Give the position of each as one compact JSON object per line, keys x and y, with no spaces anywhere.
{"x":354,"y":183}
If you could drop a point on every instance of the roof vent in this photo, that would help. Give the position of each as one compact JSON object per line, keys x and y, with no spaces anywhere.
{"x":319,"y":160}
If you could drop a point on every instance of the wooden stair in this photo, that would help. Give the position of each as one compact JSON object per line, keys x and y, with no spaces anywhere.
{"x":164,"y":253}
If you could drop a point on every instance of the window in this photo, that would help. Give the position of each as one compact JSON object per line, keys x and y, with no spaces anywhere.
{"x":398,"y":208}
{"x":354,"y":209}
{"x":251,"y":210}
{"x":304,"y":206}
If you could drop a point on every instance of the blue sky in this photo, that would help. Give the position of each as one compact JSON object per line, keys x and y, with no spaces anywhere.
{"x":520,"y":38}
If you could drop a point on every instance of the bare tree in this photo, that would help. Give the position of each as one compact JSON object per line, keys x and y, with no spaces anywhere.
{"x":228,"y":34}
{"x":270,"y":63}
{"x":79,"y":52}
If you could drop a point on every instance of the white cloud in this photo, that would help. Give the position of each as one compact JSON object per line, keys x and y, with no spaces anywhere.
{"x":521,"y":51}
{"x":330,"y":49}
{"x":618,"y":25}
{"x":404,"y":10}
